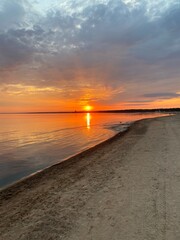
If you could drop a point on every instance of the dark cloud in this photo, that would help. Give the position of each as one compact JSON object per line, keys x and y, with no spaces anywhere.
{"x":13,"y":51}
{"x":12,"y":13}
{"x":171,"y":19}
{"x":164,"y":95}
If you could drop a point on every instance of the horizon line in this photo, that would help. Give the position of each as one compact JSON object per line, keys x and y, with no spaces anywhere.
{"x":97,"y":111}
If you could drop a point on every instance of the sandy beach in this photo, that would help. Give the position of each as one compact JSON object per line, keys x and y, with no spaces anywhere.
{"x":126,"y":188}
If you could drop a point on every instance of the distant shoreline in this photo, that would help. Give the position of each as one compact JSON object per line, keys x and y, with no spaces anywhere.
{"x":163,"y":110}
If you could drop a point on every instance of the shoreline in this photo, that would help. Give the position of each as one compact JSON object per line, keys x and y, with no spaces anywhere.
{"x":70,"y":158}
{"x":123,"y":188}
{"x":117,"y":133}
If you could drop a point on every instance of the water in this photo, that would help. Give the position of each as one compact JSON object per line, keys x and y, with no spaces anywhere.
{"x":31,"y":142}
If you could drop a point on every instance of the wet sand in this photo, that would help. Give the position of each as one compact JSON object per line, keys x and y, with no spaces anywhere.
{"x":126,"y":188}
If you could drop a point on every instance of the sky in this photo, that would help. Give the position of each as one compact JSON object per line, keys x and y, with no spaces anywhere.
{"x":62,"y":55}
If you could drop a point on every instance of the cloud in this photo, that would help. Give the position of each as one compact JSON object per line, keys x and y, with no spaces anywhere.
{"x":13,"y":51}
{"x":165,"y":95}
{"x":16,"y":14}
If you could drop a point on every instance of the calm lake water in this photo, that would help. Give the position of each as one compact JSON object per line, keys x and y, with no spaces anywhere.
{"x":31,"y":142}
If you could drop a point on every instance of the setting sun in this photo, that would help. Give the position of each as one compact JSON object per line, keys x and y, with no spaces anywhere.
{"x":88,"y":108}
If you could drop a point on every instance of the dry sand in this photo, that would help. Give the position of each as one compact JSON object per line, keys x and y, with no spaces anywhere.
{"x":125,"y":189}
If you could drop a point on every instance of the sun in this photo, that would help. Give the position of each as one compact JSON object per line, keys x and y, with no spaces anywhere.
{"x":88,"y":108}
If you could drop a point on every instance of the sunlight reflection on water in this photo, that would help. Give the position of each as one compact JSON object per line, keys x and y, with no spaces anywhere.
{"x":88,"y":120}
